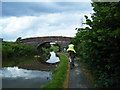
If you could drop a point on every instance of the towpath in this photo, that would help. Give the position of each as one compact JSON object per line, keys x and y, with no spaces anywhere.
{"x":76,"y":78}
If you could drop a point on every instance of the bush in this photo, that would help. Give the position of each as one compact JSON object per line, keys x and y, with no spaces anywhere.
{"x":98,"y":44}
{"x":12,"y":49}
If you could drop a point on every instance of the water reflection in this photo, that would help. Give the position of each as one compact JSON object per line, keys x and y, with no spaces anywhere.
{"x":13,"y":77}
{"x":53,"y":58}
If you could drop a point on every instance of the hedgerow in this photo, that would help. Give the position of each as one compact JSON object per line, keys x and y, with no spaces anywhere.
{"x":13,"y":49}
{"x":98,"y":44}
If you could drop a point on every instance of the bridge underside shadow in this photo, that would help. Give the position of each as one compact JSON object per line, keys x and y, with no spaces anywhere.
{"x":63,"y":42}
{"x":48,"y":45}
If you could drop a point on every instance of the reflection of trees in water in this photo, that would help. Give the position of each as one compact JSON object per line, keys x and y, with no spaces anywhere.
{"x":43,"y":48}
{"x":55,"y":47}
{"x":44,"y":57}
{"x":44,"y":52}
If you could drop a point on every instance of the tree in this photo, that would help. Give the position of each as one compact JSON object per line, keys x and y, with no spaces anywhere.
{"x":98,"y":44}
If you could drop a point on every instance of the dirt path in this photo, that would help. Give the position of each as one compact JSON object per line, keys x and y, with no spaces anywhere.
{"x":77,"y":78}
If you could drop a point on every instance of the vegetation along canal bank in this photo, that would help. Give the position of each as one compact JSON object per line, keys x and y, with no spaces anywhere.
{"x":59,"y":73}
{"x":14,"y":54}
{"x":98,"y":45}
{"x":19,"y":64}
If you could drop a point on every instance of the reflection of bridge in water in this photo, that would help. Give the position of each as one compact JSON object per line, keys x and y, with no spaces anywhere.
{"x":37,"y":41}
{"x":47,"y":65}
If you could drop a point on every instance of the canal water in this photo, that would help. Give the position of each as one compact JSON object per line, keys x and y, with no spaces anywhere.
{"x":14,"y":77}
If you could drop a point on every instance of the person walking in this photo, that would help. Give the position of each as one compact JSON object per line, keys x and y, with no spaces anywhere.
{"x":72,"y":53}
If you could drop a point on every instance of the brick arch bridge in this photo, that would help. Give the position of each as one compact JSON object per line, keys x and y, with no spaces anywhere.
{"x":37,"y":41}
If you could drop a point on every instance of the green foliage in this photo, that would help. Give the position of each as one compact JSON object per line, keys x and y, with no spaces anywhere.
{"x":44,"y":48}
{"x":54,"y":48}
{"x":98,"y":44}
{"x":59,"y":73}
{"x":13,"y":49}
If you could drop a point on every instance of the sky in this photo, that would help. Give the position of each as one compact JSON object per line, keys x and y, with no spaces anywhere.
{"x":37,"y":19}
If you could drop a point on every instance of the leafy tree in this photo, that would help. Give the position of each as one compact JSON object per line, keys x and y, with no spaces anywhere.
{"x":13,"y":49}
{"x":98,"y":44}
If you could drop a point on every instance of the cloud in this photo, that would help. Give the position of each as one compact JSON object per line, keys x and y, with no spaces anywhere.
{"x":44,"y":25}
{"x":38,"y":8}
{"x":28,"y":19}
{"x":46,"y":0}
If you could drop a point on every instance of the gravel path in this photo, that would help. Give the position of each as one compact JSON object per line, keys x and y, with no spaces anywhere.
{"x":77,"y":78}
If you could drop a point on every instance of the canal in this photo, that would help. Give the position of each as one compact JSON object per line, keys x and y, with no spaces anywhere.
{"x":15,"y":77}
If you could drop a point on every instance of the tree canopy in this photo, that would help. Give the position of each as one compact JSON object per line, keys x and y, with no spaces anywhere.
{"x":98,"y":44}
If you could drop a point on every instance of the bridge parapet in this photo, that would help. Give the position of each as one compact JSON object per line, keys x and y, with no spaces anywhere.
{"x":36,"y":41}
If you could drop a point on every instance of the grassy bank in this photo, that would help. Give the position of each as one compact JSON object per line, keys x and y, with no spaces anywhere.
{"x":59,"y":73}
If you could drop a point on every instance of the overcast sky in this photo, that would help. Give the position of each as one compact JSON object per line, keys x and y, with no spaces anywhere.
{"x":36,"y":19}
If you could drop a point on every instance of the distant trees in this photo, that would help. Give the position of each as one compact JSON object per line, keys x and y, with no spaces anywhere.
{"x":13,"y":49}
{"x":98,"y":44}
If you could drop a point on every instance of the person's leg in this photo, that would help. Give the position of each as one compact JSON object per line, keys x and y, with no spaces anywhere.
{"x":69,"y":56}
{"x":72,"y":58}
{"x":72,"y":63}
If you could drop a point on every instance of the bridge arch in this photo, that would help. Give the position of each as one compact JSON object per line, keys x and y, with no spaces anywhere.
{"x":42,"y":44}
{"x":37,"y":41}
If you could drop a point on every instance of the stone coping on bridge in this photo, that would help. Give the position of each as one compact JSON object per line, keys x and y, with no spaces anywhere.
{"x":47,"y":37}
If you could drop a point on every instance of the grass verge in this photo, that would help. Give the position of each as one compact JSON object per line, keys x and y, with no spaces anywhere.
{"x":59,"y":73}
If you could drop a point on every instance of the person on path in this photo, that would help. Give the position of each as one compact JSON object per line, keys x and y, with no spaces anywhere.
{"x":71,"y":52}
